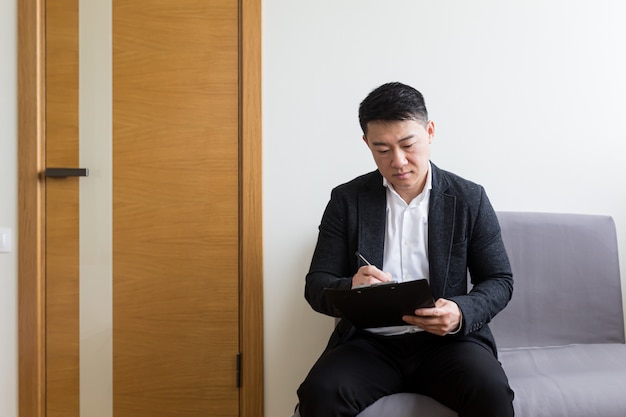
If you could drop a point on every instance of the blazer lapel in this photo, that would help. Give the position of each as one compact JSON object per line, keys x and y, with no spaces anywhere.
{"x":441,"y":219}
{"x":372,"y":207}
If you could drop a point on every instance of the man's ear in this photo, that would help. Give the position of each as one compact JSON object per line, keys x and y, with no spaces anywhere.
{"x":365,"y":140}
{"x":430,"y":129}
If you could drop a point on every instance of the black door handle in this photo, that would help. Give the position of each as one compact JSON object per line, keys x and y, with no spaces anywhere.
{"x":66,"y":172}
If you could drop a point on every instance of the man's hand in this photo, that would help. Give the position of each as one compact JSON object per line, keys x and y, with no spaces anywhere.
{"x":444,"y":318}
{"x":368,"y":275}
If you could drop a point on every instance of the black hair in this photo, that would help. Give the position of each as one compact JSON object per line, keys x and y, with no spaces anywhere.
{"x":392,"y":102}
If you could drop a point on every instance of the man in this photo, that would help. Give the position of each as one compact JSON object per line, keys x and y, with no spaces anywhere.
{"x":411,"y":220}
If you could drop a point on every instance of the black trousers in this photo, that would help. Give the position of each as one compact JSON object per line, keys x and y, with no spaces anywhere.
{"x":462,"y":375}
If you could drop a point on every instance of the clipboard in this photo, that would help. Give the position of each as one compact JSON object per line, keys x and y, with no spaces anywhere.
{"x":381,"y":305}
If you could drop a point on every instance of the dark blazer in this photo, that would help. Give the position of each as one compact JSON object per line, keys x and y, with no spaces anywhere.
{"x":463,"y":235}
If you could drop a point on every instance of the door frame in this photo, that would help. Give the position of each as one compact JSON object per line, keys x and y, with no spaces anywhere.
{"x":31,"y":210}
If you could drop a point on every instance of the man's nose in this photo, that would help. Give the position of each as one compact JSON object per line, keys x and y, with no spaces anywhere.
{"x":399,"y":160}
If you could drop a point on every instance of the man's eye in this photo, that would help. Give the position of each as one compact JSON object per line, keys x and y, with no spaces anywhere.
{"x":383,"y":151}
{"x":408,"y":146}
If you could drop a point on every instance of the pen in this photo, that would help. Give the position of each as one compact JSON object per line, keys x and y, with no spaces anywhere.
{"x":358,"y":254}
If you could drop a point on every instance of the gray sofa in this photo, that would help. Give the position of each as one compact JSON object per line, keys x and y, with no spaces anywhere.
{"x":561,"y":338}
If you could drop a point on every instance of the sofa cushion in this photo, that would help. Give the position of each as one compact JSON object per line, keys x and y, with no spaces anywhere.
{"x":407,"y":405}
{"x":404,"y":405}
{"x":566,"y":281}
{"x":568,"y":381}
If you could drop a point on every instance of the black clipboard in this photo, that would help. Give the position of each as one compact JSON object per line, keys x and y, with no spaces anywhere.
{"x":381,"y":305}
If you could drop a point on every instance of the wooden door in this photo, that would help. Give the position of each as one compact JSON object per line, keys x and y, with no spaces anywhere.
{"x":175,"y":208}
{"x":186,"y":267}
{"x":61,"y":202}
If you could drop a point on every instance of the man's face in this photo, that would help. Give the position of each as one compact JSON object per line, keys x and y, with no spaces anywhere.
{"x":401,"y":150}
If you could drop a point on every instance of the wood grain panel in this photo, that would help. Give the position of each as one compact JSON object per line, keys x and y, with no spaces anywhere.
{"x":62,"y":265}
{"x":175,"y":214}
{"x":251,"y":261}
{"x":31,"y":363}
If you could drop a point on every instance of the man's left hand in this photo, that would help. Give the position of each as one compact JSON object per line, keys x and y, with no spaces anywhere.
{"x":442,"y":319}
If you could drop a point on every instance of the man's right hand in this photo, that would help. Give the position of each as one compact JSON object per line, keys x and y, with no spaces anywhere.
{"x":368,"y":275}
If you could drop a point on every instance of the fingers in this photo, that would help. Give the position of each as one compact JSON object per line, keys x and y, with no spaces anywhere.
{"x":372,"y":271}
{"x":428,"y":312}
{"x":440,"y":320}
{"x":442,"y":307}
{"x":368,"y":275}
{"x":433,"y":324}
{"x":427,"y":324}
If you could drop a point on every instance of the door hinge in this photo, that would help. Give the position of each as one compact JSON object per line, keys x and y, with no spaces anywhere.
{"x":238,"y":370}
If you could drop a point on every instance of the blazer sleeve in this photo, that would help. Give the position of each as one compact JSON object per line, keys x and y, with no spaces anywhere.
{"x":489,"y":269}
{"x":331,"y":264}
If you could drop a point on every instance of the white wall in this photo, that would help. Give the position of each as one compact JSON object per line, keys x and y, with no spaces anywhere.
{"x":527,"y":95}
{"x":8,"y":206}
